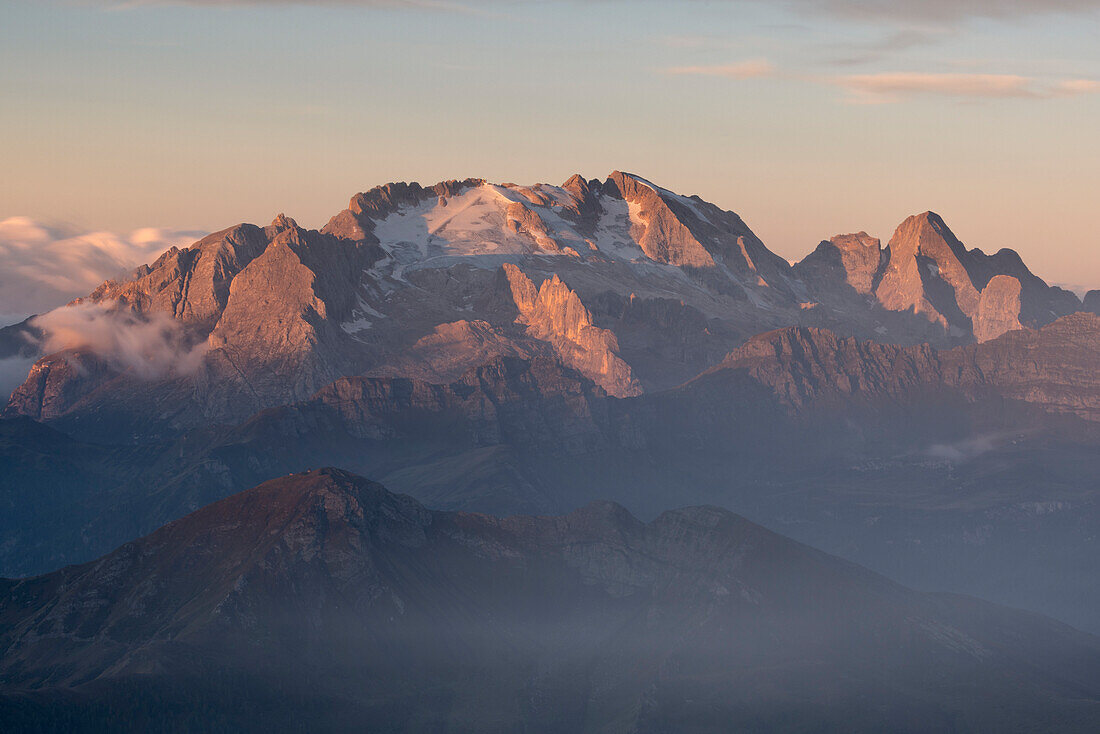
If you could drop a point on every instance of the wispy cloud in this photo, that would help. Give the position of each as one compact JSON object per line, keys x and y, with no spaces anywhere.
{"x":1076,"y":86}
{"x":966,"y":449}
{"x":740,"y":70}
{"x":891,"y":86}
{"x":894,"y":42}
{"x":687,"y":40}
{"x":44,"y":266}
{"x":440,"y":5}
{"x":149,"y":346}
{"x":863,"y":9}
{"x":933,"y":11}
{"x":895,"y":86}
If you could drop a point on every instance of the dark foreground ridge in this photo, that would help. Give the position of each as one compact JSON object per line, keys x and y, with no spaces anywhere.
{"x":321,"y":601}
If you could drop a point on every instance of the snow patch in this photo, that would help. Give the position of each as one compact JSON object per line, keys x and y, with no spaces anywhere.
{"x":359,"y":321}
{"x":612,"y":231}
{"x":471,"y":225}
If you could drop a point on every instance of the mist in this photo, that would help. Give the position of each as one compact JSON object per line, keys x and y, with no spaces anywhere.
{"x":150,"y":346}
{"x":965,"y":449}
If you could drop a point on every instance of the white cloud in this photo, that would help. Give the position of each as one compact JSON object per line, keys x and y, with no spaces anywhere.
{"x":149,"y":346}
{"x":42,"y":267}
{"x":740,"y":70}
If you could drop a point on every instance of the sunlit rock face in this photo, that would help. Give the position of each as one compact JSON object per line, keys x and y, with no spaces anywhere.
{"x":925,"y":273}
{"x":555,"y":314}
{"x":999,"y":308}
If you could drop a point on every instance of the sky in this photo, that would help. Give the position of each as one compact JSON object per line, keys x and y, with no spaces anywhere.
{"x":807,"y":117}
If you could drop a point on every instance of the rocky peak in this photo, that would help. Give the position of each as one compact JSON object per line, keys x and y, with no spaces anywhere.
{"x":580,"y":187}
{"x":382,"y":200}
{"x":191,"y":285}
{"x":328,"y":498}
{"x":585,"y":208}
{"x":926,"y":234}
{"x":688,"y":232}
{"x":282,"y":223}
{"x":925,"y":273}
{"x":340,"y":496}
{"x":665,"y":238}
{"x":855,"y":259}
{"x":386,"y":199}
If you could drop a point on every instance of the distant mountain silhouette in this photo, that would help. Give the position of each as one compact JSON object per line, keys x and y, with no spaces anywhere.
{"x":322,"y":601}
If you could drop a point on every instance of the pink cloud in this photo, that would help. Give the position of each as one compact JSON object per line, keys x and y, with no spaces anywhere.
{"x":749,"y":69}
{"x":893,"y":86}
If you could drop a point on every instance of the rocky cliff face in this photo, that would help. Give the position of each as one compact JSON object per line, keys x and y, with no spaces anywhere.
{"x":999,"y":308}
{"x":555,"y":314}
{"x":1050,"y":368}
{"x":808,"y":367}
{"x":663,"y":237}
{"x":322,"y":586}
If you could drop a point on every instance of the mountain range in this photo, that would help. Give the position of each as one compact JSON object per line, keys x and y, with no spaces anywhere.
{"x":634,"y":286}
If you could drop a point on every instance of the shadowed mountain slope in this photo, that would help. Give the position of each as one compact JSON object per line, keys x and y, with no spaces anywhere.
{"x":973,"y":469}
{"x":323,"y":600}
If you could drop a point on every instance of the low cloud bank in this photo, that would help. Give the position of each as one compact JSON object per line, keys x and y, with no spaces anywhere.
{"x":966,"y":449}
{"x":150,"y":347}
{"x":42,"y":267}
{"x":740,"y":70}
